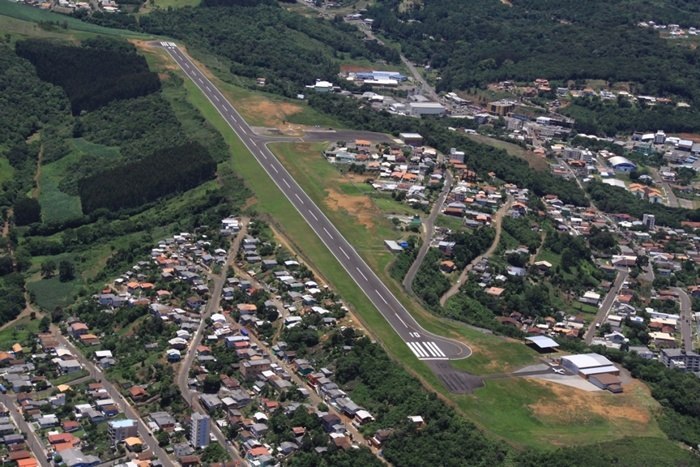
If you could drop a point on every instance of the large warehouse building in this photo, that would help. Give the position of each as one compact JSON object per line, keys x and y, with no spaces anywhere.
{"x":589,"y":364}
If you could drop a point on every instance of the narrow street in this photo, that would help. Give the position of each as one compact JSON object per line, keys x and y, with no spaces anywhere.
{"x":314,"y":398}
{"x":118,"y":398}
{"x":686,"y":319}
{"x":211,"y":307}
{"x":605,"y":306}
{"x":497,"y":222}
{"x":35,"y":445}
{"x":428,"y":232}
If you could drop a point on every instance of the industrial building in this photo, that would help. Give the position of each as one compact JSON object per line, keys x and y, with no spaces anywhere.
{"x":426,"y":108}
{"x":589,"y":364}
{"x":621,"y":164}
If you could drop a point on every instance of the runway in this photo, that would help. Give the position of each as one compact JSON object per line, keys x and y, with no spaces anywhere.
{"x":424,"y":345}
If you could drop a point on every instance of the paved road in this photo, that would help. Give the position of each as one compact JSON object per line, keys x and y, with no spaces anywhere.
{"x":605,"y":306}
{"x":425,"y":345}
{"x":686,"y":319}
{"x":121,"y":402}
{"x":672,"y":199}
{"x":497,"y":221}
{"x":429,"y":230}
{"x":210,"y":308}
{"x":36,"y":446}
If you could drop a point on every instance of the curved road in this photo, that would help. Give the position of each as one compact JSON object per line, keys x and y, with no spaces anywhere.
{"x":463,"y":276}
{"x":425,"y":345}
{"x":429,"y":231}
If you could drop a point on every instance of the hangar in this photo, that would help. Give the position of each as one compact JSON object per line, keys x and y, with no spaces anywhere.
{"x":589,"y":364}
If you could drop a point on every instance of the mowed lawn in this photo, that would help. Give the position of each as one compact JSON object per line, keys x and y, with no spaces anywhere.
{"x":31,"y":14}
{"x":534,"y":413}
{"x":348,"y":204}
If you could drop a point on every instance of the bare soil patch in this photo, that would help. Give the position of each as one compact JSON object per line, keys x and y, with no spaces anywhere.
{"x":273,"y":113}
{"x":569,"y":405}
{"x":360,"y":207}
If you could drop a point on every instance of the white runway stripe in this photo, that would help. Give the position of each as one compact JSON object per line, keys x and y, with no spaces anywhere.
{"x":436,"y":350}
{"x":418,"y":351}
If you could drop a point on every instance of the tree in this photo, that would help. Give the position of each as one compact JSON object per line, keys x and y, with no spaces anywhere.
{"x":66,"y":271}
{"x":48,"y":269}
{"x":44,"y":324}
{"x":27,"y":211}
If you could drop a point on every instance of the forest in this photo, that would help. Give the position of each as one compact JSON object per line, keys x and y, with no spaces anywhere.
{"x":290,"y":50}
{"x":92,"y":75}
{"x":595,"y":116}
{"x":481,"y":41}
{"x":165,"y":172}
{"x":617,"y":200}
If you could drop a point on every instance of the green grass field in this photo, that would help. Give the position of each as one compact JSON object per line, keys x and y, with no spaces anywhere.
{"x":449,"y":222}
{"x":52,"y":293}
{"x":20,"y":331}
{"x":56,"y":205}
{"x":533,"y":414}
{"x":62,"y":22}
{"x":346,"y":203}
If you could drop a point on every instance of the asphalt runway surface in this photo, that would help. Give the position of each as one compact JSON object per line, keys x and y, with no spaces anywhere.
{"x":435,"y":350}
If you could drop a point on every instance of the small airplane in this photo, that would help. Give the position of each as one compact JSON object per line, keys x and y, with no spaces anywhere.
{"x":559,"y":371}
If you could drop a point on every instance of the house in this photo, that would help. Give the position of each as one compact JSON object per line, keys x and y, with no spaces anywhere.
{"x":75,"y":458}
{"x":137,"y":393}
{"x":591,"y":298}
{"x":78,"y":329}
{"x":251,"y":369}
{"x":329,"y":421}
{"x":164,"y":420}
{"x":68,"y":366}
{"x":680,"y":359}
{"x":447,"y":266}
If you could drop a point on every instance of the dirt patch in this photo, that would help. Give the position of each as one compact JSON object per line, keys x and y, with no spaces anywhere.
{"x":694,"y":137}
{"x":568,"y":405}
{"x":272,"y":113}
{"x":354,"y":68}
{"x":360,"y":207}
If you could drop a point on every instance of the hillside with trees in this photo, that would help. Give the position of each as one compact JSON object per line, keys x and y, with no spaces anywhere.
{"x":263,"y":39}
{"x":477,"y":42}
{"x":165,"y":172}
{"x":93,"y":75}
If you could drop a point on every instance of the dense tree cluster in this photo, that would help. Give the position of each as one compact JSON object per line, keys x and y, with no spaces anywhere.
{"x":522,"y":230}
{"x":490,"y":41}
{"x":430,"y":283}
{"x":617,"y":200}
{"x":594,"y":116}
{"x":92,"y":75}
{"x":167,"y":171}
{"x":263,"y":39}
{"x":391,"y":395}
